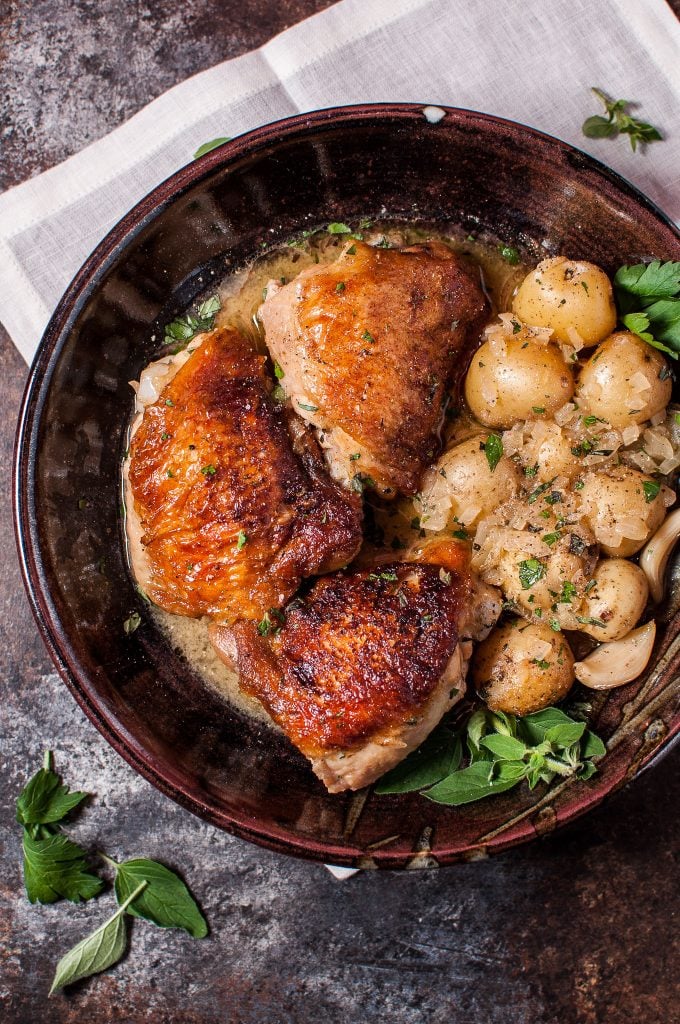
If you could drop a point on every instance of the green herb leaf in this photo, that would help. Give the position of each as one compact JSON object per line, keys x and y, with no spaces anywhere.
{"x":165,"y":899}
{"x":648,"y":297}
{"x":493,"y":449}
{"x":473,"y":783}
{"x":566,"y":734}
{"x":337,"y":228}
{"x":54,"y":868}
{"x":618,"y":121}
{"x":207,"y":147}
{"x":592,"y":746}
{"x":506,"y":748}
{"x":132,"y":623}
{"x":651,"y":489}
{"x":45,"y":800}
{"x":531,"y":570}
{"x":93,"y":954}
{"x":439,"y":755}
{"x":241,"y":540}
{"x":509,"y":254}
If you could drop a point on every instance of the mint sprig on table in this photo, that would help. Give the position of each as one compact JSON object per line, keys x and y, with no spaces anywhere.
{"x":501,"y":751}
{"x":56,"y":867}
{"x":618,"y":122}
{"x":648,"y":297}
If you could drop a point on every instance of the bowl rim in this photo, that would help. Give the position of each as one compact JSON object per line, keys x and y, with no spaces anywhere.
{"x":84,"y":283}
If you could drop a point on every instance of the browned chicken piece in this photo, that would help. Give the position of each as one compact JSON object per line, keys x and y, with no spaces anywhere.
{"x":369,"y":346}
{"x":234,"y":510}
{"x":365,"y":665}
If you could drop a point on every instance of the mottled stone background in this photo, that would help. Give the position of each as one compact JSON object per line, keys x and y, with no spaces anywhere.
{"x":578,"y":928}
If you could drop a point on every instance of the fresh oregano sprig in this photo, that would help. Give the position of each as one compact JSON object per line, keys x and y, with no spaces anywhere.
{"x":56,"y":867}
{"x":618,"y":122}
{"x":502,"y":751}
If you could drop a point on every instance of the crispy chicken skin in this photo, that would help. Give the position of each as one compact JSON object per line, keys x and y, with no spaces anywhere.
{"x":364,"y":666}
{"x":369,"y":346}
{"x":235,"y":510}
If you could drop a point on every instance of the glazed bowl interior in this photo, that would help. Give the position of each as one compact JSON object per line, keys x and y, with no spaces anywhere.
{"x":488,"y":176}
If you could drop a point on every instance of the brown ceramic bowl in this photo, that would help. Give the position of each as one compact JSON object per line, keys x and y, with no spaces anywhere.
{"x":490,"y":176}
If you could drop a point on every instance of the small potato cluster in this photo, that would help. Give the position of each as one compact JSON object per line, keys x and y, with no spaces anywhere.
{"x":557,"y":478}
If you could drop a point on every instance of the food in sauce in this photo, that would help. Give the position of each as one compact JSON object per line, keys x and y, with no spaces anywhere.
{"x":369,"y":346}
{"x":525,"y":483}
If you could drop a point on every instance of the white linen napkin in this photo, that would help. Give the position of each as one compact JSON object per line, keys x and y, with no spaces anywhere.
{"x":531,"y":62}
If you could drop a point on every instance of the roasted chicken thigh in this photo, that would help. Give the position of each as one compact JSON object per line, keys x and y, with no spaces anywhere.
{"x":369,"y":346}
{"x":365,"y":665}
{"x":233,"y":503}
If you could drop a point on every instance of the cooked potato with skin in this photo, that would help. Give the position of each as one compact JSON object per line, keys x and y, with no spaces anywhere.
{"x":464,"y":475}
{"x":525,"y":379}
{"x":522,"y":667}
{"x":543,"y":597}
{"x":625,"y":381}
{"x":562,"y":293}
{"x":618,"y":599}
{"x":623,"y":507}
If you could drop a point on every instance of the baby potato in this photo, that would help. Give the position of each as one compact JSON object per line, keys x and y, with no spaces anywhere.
{"x":556,"y":575}
{"x":522,"y":667}
{"x":562,"y":293}
{"x":625,"y":381}
{"x":623,"y":507}
{"x":470,"y":482}
{"x":618,"y":599}
{"x":527,"y":379}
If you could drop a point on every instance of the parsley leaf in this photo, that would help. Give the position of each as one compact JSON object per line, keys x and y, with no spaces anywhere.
{"x":179,"y":332}
{"x":493,"y":448}
{"x":648,"y":297}
{"x":618,"y":122}
{"x":651,"y":489}
{"x":531,"y":570}
{"x":337,"y":228}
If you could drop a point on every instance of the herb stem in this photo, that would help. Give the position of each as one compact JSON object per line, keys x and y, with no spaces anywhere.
{"x":133,"y":896}
{"x":112,"y":863}
{"x":47,"y":760}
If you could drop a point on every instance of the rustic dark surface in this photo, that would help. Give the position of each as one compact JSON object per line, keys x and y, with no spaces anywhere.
{"x":576,"y":928}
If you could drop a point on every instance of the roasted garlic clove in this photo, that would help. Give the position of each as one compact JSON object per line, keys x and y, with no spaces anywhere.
{"x":618,"y":662}
{"x":654,"y":558}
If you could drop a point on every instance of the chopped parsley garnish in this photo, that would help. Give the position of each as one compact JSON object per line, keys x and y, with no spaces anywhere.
{"x":493,"y":449}
{"x":541,"y":663}
{"x":179,"y":332}
{"x":389,"y":577}
{"x":651,"y":489}
{"x":340,"y":286}
{"x":337,"y":228}
{"x":352,"y":251}
{"x":460,"y":534}
{"x":132,"y":623}
{"x":538,"y":491}
{"x":509,"y":254}
{"x":367,"y":336}
{"x":278,"y":372}
{"x":588,"y":620}
{"x":550,"y":538}
{"x":538,"y":409}
{"x":568,"y":592}
{"x":208,"y":470}
{"x":241,"y":540}
{"x":531,"y":570}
